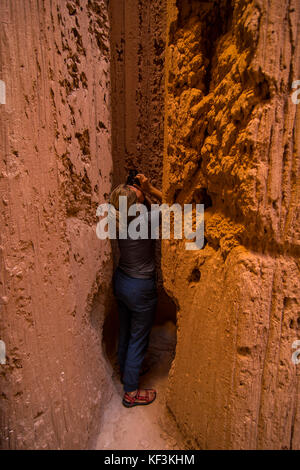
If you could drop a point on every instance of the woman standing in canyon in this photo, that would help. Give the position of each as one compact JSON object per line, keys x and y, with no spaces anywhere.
{"x":135,"y":289}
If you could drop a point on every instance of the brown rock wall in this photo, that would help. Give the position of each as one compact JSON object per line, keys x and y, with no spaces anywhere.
{"x":55,"y":170}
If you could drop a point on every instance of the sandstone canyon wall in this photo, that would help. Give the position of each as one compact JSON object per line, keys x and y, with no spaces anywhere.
{"x":137,"y":82}
{"x":55,"y":170}
{"x":232,"y":137}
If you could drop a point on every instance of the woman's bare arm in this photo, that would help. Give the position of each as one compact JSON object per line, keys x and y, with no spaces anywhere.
{"x":148,"y":188}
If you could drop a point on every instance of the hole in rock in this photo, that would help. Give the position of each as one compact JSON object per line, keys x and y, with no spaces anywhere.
{"x":195,"y":275}
{"x":201,"y":196}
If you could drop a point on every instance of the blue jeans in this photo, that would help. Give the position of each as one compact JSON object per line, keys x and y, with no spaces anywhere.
{"x":137,"y":300}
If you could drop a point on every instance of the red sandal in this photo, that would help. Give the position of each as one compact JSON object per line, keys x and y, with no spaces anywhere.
{"x":129,"y":401}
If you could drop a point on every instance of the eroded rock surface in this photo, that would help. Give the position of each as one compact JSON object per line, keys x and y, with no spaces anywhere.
{"x":55,"y":170}
{"x":232,"y":142}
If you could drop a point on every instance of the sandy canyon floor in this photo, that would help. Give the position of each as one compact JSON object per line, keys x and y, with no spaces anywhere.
{"x":148,"y":427}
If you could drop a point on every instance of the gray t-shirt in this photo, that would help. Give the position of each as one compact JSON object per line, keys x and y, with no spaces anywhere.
{"x":137,"y":257}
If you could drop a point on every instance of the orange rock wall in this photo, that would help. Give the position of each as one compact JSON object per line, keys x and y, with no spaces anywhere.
{"x":232,"y":136}
{"x":55,"y":170}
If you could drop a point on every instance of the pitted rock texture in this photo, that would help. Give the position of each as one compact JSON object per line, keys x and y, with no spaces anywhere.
{"x":55,"y":170}
{"x":232,"y":143}
{"x":137,"y":76}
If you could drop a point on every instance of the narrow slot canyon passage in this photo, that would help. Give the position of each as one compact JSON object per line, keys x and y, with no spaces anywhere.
{"x":137,"y":43}
{"x":144,"y":427}
{"x":203,"y":97}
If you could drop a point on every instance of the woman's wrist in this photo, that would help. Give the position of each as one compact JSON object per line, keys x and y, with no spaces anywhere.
{"x":151,"y":189}
{"x":147,"y":187}
{"x":155,"y":192}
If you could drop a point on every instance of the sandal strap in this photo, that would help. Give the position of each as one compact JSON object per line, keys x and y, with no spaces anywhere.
{"x":130,"y":398}
{"x":143,"y":397}
{"x":138,"y":396}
